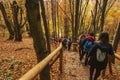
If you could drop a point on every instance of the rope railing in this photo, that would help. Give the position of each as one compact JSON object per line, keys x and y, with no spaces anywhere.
{"x":32,"y":73}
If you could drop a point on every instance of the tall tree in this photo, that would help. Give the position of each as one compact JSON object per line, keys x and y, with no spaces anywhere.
{"x":66,"y":27}
{"x":66,"y":22}
{"x":78,"y":10}
{"x":116,"y":38}
{"x":72,"y":9}
{"x":15,"y":10}
{"x":82,"y":16}
{"x":77,"y":19}
{"x":18,"y":23}
{"x":34,"y":19}
{"x":101,"y":9}
{"x":106,"y":6}
{"x":58,"y":18}
{"x":45,"y":25}
{"x":53,"y":7}
{"x":94,"y":15}
{"x":102,"y":20}
{"x":7,"y":22}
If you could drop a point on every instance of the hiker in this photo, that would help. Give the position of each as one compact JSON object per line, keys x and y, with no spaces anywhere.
{"x":87,"y":44}
{"x":60,"y":40}
{"x":80,"y":44}
{"x":64,"y":43}
{"x":99,"y":55}
{"x":69,"y":44}
{"x":56,"y":40}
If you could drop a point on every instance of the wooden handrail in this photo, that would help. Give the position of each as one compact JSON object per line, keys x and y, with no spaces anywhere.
{"x":32,"y":73}
{"x":117,"y":56}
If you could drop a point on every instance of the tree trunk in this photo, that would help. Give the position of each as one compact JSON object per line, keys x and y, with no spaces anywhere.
{"x":66,"y":22}
{"x":53,"y":7}
{"x":66,"y":27}
{"x":34,"y":19}
{"x":94,"y":15}
{"x":58,"y":19}
{"x":72,"y":6}
{"x":45,"y":24}
{"x":116,"y":38}
{"x":7,"y":22}
{"x":77,"y":19}
{"x":15,"y":9}
{"x":102,"y":20}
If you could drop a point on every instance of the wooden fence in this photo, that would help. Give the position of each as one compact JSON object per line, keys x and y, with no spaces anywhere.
{"x":117,"y":56}
{"x":50,"y":59}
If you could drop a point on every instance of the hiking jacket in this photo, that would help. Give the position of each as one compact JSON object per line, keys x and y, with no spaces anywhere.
{"x":92,"y":54}
{"x":88,"y":43}
{"x":91,"y":38}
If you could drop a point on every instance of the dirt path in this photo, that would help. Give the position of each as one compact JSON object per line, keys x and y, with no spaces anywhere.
{"x":73,"y":69}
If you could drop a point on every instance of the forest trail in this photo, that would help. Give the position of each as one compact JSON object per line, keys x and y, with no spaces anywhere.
{"x":16,"y":58}
{"x":73,"y":69}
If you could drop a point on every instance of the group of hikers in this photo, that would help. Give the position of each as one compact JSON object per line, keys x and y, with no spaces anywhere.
{"x":94,"y":53}
{"x":65,"y":42}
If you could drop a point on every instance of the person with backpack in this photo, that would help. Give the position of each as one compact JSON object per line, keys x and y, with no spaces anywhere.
{"x":87,"y":44}
{"x":64,"y":43}
{"x":98,"y":55}
{"x":56,"y":40}
{"x":80,"y":44}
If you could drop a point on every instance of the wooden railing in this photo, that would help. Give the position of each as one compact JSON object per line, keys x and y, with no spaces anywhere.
{"x":50,"y":59}
{"x":117,"y":56}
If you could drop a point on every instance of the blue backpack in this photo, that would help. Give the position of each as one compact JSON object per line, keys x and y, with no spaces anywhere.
{"x":88,"y":44}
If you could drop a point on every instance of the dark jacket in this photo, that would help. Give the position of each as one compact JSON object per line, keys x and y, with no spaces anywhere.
{"x":64,"y":42}
{"x":92,"y":54}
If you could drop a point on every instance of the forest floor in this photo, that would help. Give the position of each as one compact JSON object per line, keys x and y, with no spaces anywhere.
{"x":16,"y":58}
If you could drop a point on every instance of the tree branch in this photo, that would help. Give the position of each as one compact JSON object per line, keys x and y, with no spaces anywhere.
{"x":109,"y":7}
{"x":65,"y":13}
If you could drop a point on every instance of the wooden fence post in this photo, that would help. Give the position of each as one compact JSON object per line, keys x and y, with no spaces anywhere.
{"x":61,"y":61}
{"x":110,"y":65}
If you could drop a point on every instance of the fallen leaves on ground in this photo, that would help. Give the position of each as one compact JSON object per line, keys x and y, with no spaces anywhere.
{"x":16,"y":58}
